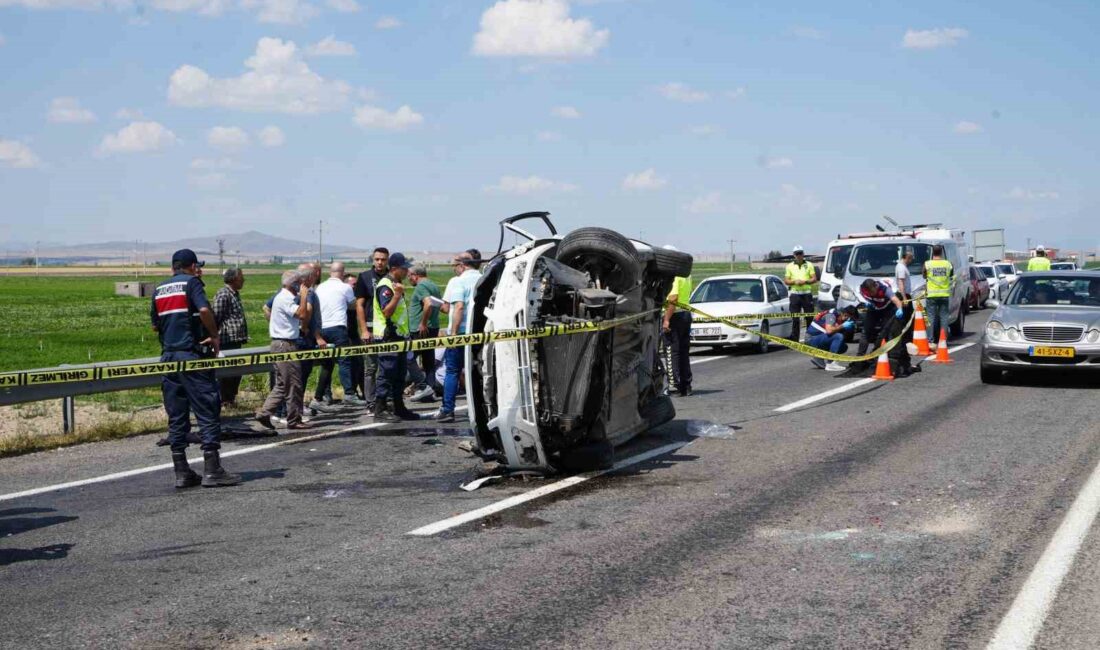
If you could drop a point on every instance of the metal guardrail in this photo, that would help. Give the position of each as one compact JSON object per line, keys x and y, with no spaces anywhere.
{"x":37,"y":393}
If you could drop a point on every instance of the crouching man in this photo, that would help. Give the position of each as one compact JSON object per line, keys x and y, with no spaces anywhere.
{"x":827,"y":333}
{"x":180,"y":313}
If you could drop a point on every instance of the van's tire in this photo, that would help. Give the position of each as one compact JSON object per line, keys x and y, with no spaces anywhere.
{"x":604,"y":254}
{"x":959,"y":326}
{"x":672,"y":263}
{"x":659,"y":411}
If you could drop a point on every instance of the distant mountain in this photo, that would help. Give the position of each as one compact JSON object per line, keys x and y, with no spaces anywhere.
{"x":251,"y":244}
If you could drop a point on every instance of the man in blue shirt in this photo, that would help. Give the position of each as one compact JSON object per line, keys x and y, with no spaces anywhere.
{"x":180,"y":313}
{"x":458,"y":299}
{"x":826,"y":332}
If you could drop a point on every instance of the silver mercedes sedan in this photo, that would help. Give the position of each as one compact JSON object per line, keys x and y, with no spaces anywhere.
{"x":1049,"y":319}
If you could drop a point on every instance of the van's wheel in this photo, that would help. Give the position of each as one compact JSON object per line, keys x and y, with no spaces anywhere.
{"x":959,"y":326}
{"x":672,"y":263}
{"x":608,"y":257}
{"x":658,"y":411}
{"x":762,"y":344}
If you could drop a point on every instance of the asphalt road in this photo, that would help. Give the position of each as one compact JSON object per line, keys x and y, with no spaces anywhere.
{"x":907,"y":514}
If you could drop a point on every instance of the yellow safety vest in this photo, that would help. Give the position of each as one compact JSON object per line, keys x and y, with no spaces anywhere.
{"x":681,"y":287}
{"x":938,"y":274}
{"x":1038,"y":264}
{"x":399,"y":318}
{"x":802,"y":276}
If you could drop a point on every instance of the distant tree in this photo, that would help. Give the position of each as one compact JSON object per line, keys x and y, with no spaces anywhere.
{"x":276,"y":259}
{"x":26,"y":261}
{"x":772,"y":255}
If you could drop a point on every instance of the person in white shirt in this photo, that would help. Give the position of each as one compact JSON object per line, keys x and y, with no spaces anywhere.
{"x":288,"y":309}
{"x":335,"y":296}
{"x":904,"y":285}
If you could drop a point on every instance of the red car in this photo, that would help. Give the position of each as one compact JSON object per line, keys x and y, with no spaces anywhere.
{"x":979,"y":290}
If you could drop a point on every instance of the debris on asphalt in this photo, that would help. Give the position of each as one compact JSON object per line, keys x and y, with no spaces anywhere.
{"x":476,"y":483}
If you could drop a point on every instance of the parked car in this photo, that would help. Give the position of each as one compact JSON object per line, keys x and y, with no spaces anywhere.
{"x":979,"y":290}
{"x":1063,"y":266}
{"x":1009,"y":271}
{"x":565,"y":402}
{"x":998,"y":283}
{"x":1050,"y":319}
{"x":735,"y":295}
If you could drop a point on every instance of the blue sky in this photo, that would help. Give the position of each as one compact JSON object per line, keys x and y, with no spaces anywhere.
{"x":420,"y":125}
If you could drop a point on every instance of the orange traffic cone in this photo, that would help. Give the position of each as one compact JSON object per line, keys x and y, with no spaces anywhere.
{"x":920,"y":334}
{"x":941,"y":349}
{"x":882,"y":368}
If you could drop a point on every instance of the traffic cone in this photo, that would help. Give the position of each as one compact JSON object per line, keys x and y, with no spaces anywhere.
{"x":920,"y":334}
{"x":941,"y":349}
{"x":882,"y":368}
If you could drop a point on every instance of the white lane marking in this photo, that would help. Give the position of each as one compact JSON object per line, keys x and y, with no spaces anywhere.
{"x":157,"y":468}
{"x":827,"y":394}
{"x":511,"y":502}
{"x":847,"y":387}
{"x":707,"y":360}
{"x":1025,"y":618}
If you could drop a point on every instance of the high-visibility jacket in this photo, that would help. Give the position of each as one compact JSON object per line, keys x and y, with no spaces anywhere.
{"x":681,"y":288}
{"x":938,"y":274}
{"x":802,"y":275}
{"x":1038,"y":264}
{"x":399,"y":319}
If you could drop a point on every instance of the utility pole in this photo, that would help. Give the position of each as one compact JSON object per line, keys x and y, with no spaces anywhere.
{"x":733,"y":256}
{"x":1029,"y":245}
{"x":320,"y":240}
{"x":238,"y":258}
{"x":221,"y":252}
{"x":144,"y":259}
{"x":37,"y":244}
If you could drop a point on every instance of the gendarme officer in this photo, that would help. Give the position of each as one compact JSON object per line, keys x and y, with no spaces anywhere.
{"x":180,"y":313}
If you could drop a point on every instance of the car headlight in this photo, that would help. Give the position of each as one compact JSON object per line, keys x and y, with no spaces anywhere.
{"x":1093,"y":336}
{"x":994,"y":330}
{"x":1013,"y":334}
{"x":825,"y":286}
{"x":847,"y":294}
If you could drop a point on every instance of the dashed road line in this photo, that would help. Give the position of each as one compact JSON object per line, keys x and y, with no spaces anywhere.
{"x":513,"y":501}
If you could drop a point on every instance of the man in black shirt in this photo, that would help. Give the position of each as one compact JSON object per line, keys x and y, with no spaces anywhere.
{"x":364,"y":310}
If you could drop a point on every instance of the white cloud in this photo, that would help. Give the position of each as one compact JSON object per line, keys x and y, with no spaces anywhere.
{"x":329,"y":46}
{"x":1020,"y":194}
{"x":708,"y":203}
{"x":344,"y":6}
{"x":932,"y":38}
{"x":679,"y":92}
{"x":216,"y":164}
{"x":67,"y":110}
{"x":203,"y":7}
{"x":372,"y":117}
{"x":809,"y":33}
{"x":278,"y":81}
{"x":548,"y":136}
{"x":793,"y":198}
{"x":540,"y":28}
{"x":271,"y":136}
{"x":138,"y":137}
{"x":283,"y":12}
{"x":387,"y":22}
{"x":736,"y":93}
{"x":64,"y":4}
{"x":775,"y":162}
{"x":130,"y":114}
{"x":644,"y":180}
{"x":18,"y":155}
{"x":227,"y":138}
{"x":565,"y":112}
{"x":966,"y":128}
{"x":529,"y":185}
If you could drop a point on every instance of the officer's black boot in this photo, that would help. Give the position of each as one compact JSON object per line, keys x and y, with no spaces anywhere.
{"x":213,"y":475}
{"x":402,"y":411}
{"x":185,"y":477}
{"x":383,"y":412}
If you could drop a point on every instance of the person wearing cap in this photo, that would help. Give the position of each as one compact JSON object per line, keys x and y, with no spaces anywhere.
{"x":939,"y":279}
{"x":364,"y":311}
{"x":826,"y":332}
{"x":289,"y":308}
{"x":185,"y":325}
{"x":458,"y":298}
{"x":676,"y":328}
{"x":391,"y":324}
{"x":424,"y":324}
{"x":800,"y":277}
{"x":1040,"y":262}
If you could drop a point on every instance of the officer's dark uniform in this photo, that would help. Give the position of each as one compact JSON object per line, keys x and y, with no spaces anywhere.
{"x":175,"y":306}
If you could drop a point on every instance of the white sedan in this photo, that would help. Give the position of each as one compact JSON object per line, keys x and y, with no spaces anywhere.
{"x":737,"y":295}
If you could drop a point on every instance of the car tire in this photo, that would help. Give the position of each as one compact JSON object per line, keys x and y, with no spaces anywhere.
{"x":659,"y":411}
{"x":672,"y":263}
{"x":991,"y":375}
{"x":762,"y":344}
{"x":959,"y":326}
{"x":604,"y":254}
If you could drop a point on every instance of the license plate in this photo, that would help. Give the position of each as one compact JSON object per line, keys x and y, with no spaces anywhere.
{"x":1039,"y":351}
{"x":708,"y":331}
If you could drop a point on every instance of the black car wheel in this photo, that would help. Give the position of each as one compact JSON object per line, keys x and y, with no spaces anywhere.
{"x":608,"y":257}
{"x":763,"y":343}
{"x":672,"y":263}
{"x":959,"y":326}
